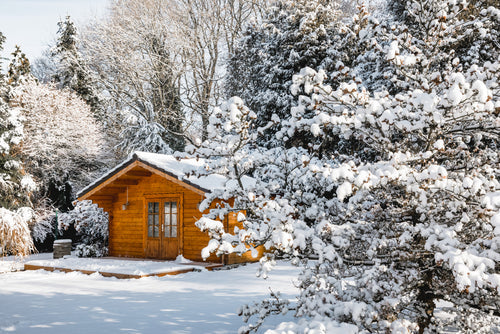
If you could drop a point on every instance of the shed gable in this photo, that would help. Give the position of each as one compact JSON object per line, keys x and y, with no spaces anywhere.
{"x":130,"y":174}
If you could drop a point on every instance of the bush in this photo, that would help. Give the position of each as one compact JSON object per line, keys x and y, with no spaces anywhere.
{"x":15,"y":236}
{"x":95,"y":250}
{"x":91,"y":225}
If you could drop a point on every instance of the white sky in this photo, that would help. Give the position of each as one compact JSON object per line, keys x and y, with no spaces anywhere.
{"x":32,"y":24}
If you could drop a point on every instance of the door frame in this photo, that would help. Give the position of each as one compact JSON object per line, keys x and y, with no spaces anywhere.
{"x":165,"y":197}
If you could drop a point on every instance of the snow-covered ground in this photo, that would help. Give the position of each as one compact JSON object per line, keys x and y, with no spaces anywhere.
{"x":118,"y":266}
{"x":13,"y":263}
{"x":196,"y":302}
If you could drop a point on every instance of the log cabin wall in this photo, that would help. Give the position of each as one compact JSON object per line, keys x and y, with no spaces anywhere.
{"x":139,"y":184}
{"x":127,"y":231}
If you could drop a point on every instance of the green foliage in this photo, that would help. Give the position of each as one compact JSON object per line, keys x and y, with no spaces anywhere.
{"x":294,"y":34}
{"x":19,"y":67}
{"x":72,"y":72}
{"x":12,"y":192}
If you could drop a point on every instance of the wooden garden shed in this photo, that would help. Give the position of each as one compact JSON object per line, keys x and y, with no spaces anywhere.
{"x":152,"y":201}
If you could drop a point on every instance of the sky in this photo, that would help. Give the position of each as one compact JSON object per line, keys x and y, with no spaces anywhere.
{"x":32,"y":24}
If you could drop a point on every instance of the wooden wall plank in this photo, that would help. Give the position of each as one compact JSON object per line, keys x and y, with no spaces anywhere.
{"x":128,"y":227}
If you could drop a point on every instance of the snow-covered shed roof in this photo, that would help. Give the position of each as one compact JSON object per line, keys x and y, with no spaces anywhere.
{"x":184,"y":170}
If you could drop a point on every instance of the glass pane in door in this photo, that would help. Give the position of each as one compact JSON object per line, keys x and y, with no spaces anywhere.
{"x":153,"y":219}
{"x":170,"y":219}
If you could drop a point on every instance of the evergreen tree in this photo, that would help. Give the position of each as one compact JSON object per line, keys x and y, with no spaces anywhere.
{"x":294,"y":34}
{"x":2,"y":40}
{"x":472,"y":45}
{"x":13,"y":194}
{"x":72,"y":72}
{"x":166,"y":99}
{"x":384,"y":242}
{"x":12,"y":180}
{"x":15,"y":185}
{"x":19,"y":67}
{"x":3,"y":86}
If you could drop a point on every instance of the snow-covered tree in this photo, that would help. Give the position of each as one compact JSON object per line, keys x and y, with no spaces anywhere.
{"x":13,"y":181}
{"x":19,"y":67}
{"x":472,"y":44}
{"x":15,"y":184}
{"x":64,"y":146}
{"x":132,"y":55}
{"x":2,"y":40}
{"x":71,"y":70}
{"x":141,"y":133}
{"x":91,"y":225}
{"x":207,"y":31}
{"x":390,"y":240}
{"x":294,"y":34}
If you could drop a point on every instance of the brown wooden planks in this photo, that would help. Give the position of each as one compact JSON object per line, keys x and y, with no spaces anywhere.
{"x":127,"y":230}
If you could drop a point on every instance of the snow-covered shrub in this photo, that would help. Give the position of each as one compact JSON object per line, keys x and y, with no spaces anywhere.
{"x":91,"y":224}
{"x":15,"y":236}
{"x":43,"y":229}
{"x":93,"y":250}
{"x":44,"y":225}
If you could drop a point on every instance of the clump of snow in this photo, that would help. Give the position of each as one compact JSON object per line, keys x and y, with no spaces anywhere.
{"x":28,"y":184}
{"x":182,"y":259}
{"x":492,"y":200}
{"x":344,"y":190}
{"x":482,"y":91}
{"x":315,"y":129}
{"x":392,"y":51}
{"x":63,"y":241}
{"x":439,"y":144}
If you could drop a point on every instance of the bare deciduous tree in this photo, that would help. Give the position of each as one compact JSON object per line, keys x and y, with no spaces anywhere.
{"x":208,"y":31}
{"x":132,"y":53}
{"x":164,"y":60}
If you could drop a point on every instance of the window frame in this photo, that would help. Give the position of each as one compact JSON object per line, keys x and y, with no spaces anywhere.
{"x":162,"y":198}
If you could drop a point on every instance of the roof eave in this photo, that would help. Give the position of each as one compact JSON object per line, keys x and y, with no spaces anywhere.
{"x":153,"y":168}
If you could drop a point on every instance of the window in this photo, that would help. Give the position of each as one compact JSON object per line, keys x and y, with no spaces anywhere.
{"x":164,"y":222}
{"x":154,"y":219}
{"x":170,"y":222}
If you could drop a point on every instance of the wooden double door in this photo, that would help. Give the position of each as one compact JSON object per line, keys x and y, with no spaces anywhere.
{"x":162,"y":228}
